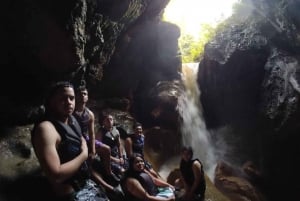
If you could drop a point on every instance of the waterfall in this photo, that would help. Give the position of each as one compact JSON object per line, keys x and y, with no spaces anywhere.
{"x":193,"y":129}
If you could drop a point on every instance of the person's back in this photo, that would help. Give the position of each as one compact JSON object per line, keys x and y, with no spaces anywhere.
{"x":61,"y":149}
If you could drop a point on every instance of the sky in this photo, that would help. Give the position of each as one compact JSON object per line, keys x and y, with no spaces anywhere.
{"x":190,"y":14}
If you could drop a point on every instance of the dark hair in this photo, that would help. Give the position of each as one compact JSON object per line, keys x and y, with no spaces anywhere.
{"x":80,"y":88}
{"x":56,"y":86}
{"x":130,"y":172}
{"x":53,"y":89}
{"x":136,"y":124}
{"x":132,"y":158}
{"x":102,"y":115}
{"x":189,"y":149}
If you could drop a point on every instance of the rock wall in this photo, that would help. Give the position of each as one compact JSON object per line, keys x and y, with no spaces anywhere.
{"x":249,"y":81}
{"x":45,"y":41}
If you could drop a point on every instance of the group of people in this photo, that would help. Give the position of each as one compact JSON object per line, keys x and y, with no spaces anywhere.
{"x":82,"y":164}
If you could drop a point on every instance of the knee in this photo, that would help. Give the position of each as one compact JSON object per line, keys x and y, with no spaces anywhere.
{"x":105,"y":149}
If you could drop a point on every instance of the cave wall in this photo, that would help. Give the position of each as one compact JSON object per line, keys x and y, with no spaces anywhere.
{"x":249,"y":74}
{"x":112,"y":45}
{"x":249,"y":78}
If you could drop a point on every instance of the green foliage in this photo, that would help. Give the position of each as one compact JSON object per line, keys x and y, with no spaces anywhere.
{"x":193,"y":47}
{"x":240,"y":13}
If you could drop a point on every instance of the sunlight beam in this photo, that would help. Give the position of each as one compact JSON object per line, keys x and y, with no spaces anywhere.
{"x":190,"y":14}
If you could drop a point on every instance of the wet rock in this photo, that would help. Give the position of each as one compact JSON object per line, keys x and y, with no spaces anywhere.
{"x":233,"y":184}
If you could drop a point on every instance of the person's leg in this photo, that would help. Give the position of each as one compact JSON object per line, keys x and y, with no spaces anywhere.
{"x":104,"y":152}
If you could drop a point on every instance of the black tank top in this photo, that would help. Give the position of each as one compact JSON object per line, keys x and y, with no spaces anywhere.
{"x":188,"y":175}
{"x":147,"y":183}
{"x":70,"y":147}
{"x":111,"y":139}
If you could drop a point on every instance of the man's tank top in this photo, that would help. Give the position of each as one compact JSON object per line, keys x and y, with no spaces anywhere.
{"x":111,"y":139}
{"x":83,"y":120}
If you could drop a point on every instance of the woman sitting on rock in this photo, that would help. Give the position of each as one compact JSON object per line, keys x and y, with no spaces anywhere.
{"x":138,"y":184}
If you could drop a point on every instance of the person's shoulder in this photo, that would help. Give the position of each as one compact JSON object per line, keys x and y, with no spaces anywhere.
{"x":115,"y":130}
{"x":91,"y":113}
{"x":128,"y":139}
{"x":131,"y":181}
{"x":197,"y":163}
{"x":46,"y":124}
{"x":43,"y":129}
{"x":89,"y":110}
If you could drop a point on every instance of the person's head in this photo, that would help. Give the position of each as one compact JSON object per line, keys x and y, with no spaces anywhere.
{"x":138,"y":129}
{"x":106,"y":120}
{"x":187,"y":153}
{"x":136,"y":163}
{"x":81,"y":95}
{"x":60,"y":101}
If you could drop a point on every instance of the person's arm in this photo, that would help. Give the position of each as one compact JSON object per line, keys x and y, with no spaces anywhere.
{"x":136,"y":189}
{"x":197,"y":175}
{"x":121,"y":159}
{"x":92,"y":132}
{"x":119,"y":146}
{"x":128,"y":147}
{"x":159,"y":182}
{"x":45,"y":141}
{"x":99,"y":180}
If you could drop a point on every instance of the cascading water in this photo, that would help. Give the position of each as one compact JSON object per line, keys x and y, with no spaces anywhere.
{"x":193,"y":129}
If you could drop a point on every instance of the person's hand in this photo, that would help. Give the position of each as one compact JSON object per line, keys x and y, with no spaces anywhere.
{"x":172,"y":187}
{"x":121,"y":161}
{"x":92,"y":156}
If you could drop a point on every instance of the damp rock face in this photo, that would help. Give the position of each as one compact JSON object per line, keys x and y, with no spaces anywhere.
{"x":118,"y":48}
{"x":249,"y":78}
